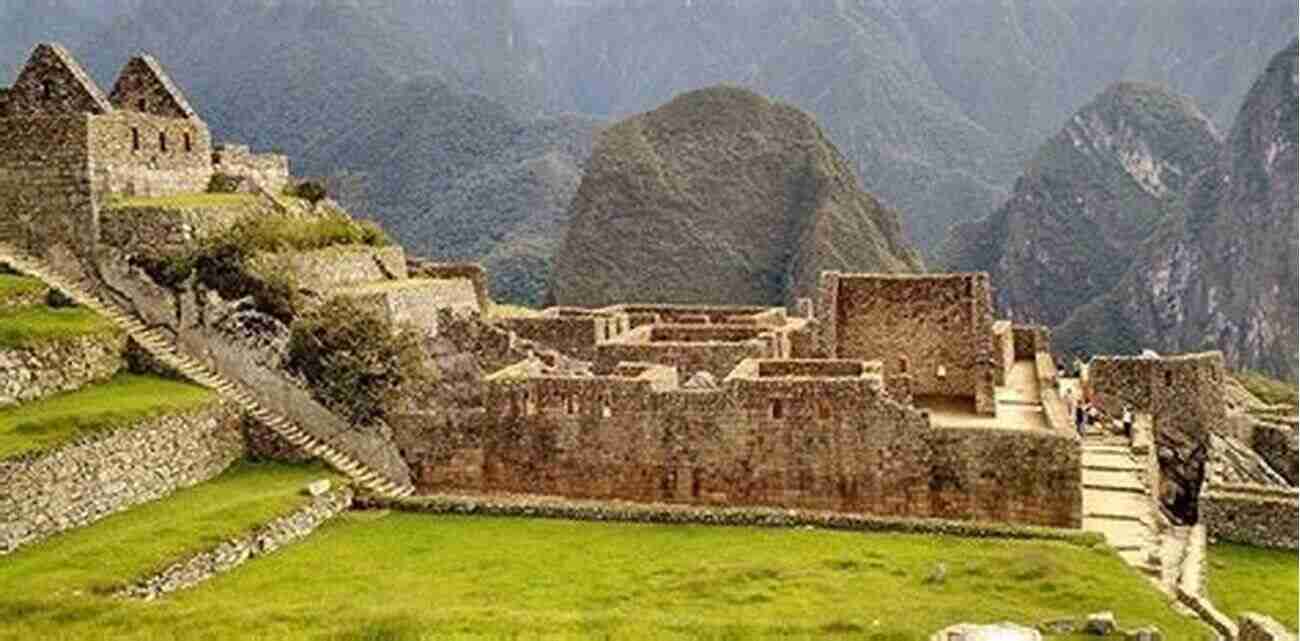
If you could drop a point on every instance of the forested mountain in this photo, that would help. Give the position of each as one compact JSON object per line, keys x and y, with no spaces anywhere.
{"x":1088,"y":199}
{"x":720,"y":196}
{"x":1220,"y":271}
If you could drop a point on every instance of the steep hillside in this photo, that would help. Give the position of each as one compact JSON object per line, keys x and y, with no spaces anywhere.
{"x":1088,"y":199}
{"x":458,"y":176}
{"x":857,"y":70}
{"x":936,"y":104}
{"x":723,"y":196}
{"x":1221,"y":270}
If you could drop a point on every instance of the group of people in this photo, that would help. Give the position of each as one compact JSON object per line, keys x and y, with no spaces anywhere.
{"x":1086,"y":414}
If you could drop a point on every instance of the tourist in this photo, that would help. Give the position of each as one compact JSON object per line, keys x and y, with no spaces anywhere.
{"x":1128,"y":422}
{"x":1081,"y":416}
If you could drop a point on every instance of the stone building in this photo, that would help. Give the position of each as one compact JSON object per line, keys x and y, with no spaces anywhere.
{"x":67,"y":147}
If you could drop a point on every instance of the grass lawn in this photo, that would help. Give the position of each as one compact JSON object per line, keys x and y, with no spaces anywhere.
{"x":405,"y":576}
{"x":186,"y":201}
{"x":1269,"y":390}
{"x":32,"y":325}
{"x":18,"y":288}
{"x":62,"y":584}
{"x":1244,"y":578}
{"x":119,"y":402}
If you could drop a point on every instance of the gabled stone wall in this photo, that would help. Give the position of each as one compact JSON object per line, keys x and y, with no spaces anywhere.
{"x":138,"y":154}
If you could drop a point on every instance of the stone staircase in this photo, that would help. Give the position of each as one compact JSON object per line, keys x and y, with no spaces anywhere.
{"x":1117,"y":503}
{"x":160,"y":347}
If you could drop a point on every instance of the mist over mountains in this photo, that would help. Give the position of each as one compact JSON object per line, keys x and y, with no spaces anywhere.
{"x":465,"y":125}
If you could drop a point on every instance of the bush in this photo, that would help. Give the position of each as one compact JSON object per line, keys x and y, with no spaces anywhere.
{"x":355,"y":361}
{"x":311,"y":191}
{"x":56,"y":299}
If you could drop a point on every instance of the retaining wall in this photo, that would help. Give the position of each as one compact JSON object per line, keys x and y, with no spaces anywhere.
{"x":86,"y":481}
{"x":63,"y":365}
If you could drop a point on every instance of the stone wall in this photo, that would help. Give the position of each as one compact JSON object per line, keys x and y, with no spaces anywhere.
{"x":45,"y":185}
{"x":1260,"y":516}
{"x":88,"y":480}
{"x":574,"y":336}
{"x":1004,"y":351}
{"x":1276,"y":444}
{"x":157,"y":230}
{"x":823,"y":439}
{"x":48,"y":367}
{"x":1184,"y":396}
{"x":422,"y":268}
{"x":137,"y":154}
{"x":415,"y":302}
{"x":715,"y":354}
{"x":1029,"y":340}
{"x":233,"y":553}
{"x":271,"y":171}
{"x":1257,"y":627}
{"x":922,"y":325}
{"x":332,"y":268}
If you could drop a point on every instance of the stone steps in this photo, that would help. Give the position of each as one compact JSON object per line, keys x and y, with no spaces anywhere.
{"x":1110,"y":461}
{"x":161,"y":348}
{"x":1112,"y":481}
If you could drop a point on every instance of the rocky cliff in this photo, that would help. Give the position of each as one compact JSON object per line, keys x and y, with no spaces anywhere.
{"x":722,"y":196}
{"x":1092,"y":194}
{"x":1220,"y":271}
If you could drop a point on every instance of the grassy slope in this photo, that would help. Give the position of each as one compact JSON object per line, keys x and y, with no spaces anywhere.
{"x":32,"y":325}
{"x":421,"y":577}
{"x":18,"y":288}
{"x":122,"y":401}
{"x":1268,"y":389}
{"x":59,"y":585}
{"x":1244,"y":578}
{"x":186,"y":201}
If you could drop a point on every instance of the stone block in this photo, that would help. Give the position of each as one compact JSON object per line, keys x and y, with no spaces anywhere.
{"x":1100,"y":623}
{"x":318,"y":488}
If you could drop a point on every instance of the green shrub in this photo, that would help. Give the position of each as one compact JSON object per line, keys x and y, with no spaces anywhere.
{"x":356,"y":361}
{"x":311,"y":191}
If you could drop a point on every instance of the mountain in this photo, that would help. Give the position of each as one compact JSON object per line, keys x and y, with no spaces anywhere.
{"x":1090,"y":196}
{"x":1220,"y":271}
{"x":936,"y":104}
{"x":720,"y":196}
{"x":458,"y":176}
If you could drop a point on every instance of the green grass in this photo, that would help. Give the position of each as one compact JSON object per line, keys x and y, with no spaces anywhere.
{"x":185,"y":201}
{"x":65,"y":579}
{"x":1269,"y":390}
{"x":1250,"y":579}
{"x":504,"y":310}
{"x":15,"y":289}
{"x":34,"y":325}
{"x":120,"y":402}
{"x":407,"y":576}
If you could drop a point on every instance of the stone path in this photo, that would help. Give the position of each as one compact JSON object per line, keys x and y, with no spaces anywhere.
{"x":1117,"y":504}
{"x":160,"y":347}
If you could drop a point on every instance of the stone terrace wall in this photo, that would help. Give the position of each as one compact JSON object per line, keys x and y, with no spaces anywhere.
{"x":128,"y":155}
{"x":422,"y":268}
{"x":54,"y":366}
{"x":153,"y":230}
{"x":45,"y":185}
{"x":915,"y":324}
{"x":1184,"y":396}
{"x":322,"y":270}
{"x":1029,"y":340}
{"x":271,"y":171}
{"x":574,"y":336}
{"x":1254,"y":515}
{"x":84,"y":482}
{"x":837,"y":443}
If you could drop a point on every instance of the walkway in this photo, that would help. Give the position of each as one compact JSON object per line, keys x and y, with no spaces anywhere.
{"x":1019,"y":406}
{"x":1117,"y":503}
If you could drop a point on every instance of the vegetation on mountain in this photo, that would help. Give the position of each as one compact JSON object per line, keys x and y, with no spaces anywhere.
{"x":1220,"y":270}
{"x":720,"y":196}
{"x":1088,"y":199}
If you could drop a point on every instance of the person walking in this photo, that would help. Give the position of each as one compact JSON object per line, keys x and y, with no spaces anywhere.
{"x":1128,"y":422}
{"x":1081,"y":417}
